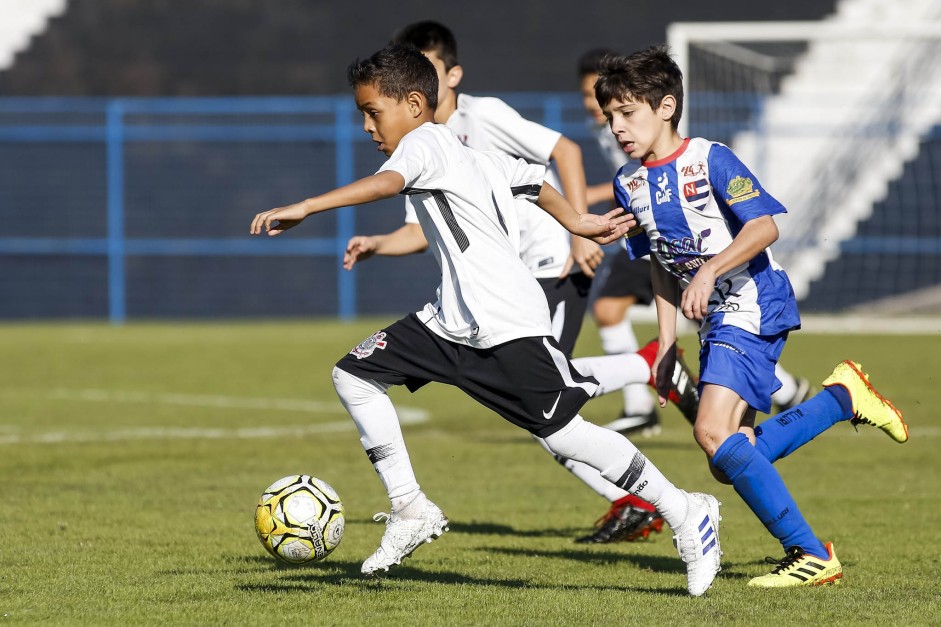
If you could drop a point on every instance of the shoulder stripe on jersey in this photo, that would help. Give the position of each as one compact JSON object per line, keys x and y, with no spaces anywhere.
{"x":460,"y":237}
{"x":526,"y":190}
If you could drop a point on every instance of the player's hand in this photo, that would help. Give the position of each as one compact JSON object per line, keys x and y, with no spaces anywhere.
{"x":586,"y":254}
{"x":663,"y":367}
{"x":359,"y":248}
{"x":630,"y":221}
{"x":277,"y":221}
{"x":606,"y":228}
{"x":695,"y":299}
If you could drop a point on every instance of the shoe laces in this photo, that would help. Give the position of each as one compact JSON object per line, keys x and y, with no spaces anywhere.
{"x":792,"y":556}
{"x":380,"y":517}
{"x":612,"y":513}
{"x":859,"y":419}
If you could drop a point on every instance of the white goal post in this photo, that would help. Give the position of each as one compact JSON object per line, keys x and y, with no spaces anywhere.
{"x":829,"y":115}
{"x":680,"y":35}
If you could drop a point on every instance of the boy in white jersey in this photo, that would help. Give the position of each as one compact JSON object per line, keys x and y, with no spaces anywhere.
{"x":563,"y":271}
{"x":708,"y":224}
{"x":488,"y":332}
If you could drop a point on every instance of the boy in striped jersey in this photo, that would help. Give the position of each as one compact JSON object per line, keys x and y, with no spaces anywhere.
{"x":708,"y":224}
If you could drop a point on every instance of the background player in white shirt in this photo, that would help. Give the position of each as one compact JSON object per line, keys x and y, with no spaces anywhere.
{"x":488,"y":332}
{"x":491,"y":124}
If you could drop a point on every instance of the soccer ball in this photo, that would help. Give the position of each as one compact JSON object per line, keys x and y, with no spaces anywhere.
{"x":299,"y":519}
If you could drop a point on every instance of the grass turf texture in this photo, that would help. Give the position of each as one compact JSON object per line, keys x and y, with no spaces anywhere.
{"x":132,"y":459}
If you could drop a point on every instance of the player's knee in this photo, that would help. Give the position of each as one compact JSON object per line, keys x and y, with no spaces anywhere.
{"x":564,"y":442}
{"x":606,"y":313}
{"x":611,"y":311}
{"x":354,"y":390}
{"x":704,"y":437}
{"x":718,"y":474}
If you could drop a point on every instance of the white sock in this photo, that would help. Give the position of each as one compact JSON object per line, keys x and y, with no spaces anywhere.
{"x":614,"y":371}
{"x":588,"y":475}
{"x":788,"y":386}
{"x":618,"y":338}
{"x":379,"y":433}
{"x":409,"y":506}
{"x":620,"y":462}
{"x":638,"y":400}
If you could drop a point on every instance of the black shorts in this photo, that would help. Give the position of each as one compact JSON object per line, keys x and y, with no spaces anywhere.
{"x":624,"y":276}
{"x":568,"y":302}
{"x":528,"y":381}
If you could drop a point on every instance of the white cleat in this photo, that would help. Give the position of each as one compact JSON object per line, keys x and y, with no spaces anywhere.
{"x":403,"y":535}
{"x":697,"y":541}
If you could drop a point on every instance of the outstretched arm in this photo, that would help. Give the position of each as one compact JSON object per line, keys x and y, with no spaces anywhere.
{"x":385,"y":184}
{"x":406,"y":240}
{"x":602,"y":229}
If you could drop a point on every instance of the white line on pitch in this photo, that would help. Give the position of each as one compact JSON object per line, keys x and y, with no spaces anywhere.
{"x":406,"y":414}
{"x":176,"y":433}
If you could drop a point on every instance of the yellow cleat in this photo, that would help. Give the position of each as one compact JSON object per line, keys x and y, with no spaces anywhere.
{"x":869,"y":407}
{"x":801,"y":569}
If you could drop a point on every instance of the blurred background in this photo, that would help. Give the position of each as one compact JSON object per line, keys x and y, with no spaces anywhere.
{"x":139,"y":137}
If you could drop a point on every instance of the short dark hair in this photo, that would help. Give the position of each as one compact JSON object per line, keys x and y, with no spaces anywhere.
{"x":589,"y":62}
{"x":646,"y":76}
{"x":395,"y":71}
{"x":430,"y":36}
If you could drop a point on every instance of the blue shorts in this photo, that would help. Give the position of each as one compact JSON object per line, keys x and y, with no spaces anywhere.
{"x":743,"y":362}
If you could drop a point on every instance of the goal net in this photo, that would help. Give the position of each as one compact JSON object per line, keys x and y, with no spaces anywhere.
{"x":841,"y":121}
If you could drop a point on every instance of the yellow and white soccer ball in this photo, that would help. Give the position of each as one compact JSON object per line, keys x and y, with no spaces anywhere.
{"x":299,"y":519}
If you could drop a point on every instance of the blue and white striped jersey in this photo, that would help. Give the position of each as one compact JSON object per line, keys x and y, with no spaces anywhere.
{"x":689,"y":206}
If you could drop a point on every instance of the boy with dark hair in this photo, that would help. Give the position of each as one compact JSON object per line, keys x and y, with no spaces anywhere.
{"x":708,"y":224}
{"x":488,"y":333}
{"x":625,"y":282}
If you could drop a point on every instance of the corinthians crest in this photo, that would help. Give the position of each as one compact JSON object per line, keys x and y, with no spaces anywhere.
{"x":368,"y":346}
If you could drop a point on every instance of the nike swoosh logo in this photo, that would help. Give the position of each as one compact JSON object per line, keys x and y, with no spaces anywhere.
{"x":548,"y":414}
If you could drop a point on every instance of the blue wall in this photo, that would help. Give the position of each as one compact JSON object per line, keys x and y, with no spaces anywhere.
{"x":139,"y":208}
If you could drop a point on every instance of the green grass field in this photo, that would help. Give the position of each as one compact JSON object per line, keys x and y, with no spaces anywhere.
{"x":132,"y":458}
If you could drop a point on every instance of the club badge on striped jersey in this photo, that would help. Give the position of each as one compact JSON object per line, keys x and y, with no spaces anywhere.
{"x":368,"y":346}
{"x":697,"y":193}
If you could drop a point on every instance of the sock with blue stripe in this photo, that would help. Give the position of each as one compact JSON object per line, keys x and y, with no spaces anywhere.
{"x":781,"y":435}
{"x":763,"y":490}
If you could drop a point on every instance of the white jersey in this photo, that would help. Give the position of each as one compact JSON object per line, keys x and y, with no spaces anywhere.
{"x":490,"y":124}
{"x":464,"y":201}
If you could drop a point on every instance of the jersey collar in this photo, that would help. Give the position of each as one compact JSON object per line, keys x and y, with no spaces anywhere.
{"x":668,"y":158}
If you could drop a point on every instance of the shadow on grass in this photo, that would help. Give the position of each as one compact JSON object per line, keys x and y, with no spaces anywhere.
{"x":497,"y":529}
{"x":653,"y":563}
{"x":348,"y":574}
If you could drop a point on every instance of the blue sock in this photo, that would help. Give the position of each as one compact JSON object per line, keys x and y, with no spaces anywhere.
{"x":781,"y":435}
{"x":763,"y":490}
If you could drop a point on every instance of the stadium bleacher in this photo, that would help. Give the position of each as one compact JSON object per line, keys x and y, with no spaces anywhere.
{"x":893,"y":264}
